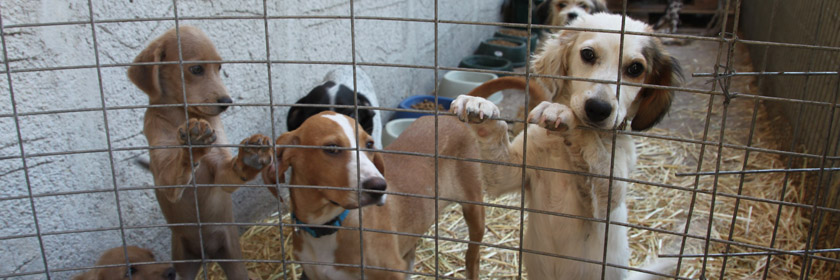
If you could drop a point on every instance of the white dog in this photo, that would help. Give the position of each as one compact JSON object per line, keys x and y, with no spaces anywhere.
{"x":555,"y":141}
{"x":562,"y":12}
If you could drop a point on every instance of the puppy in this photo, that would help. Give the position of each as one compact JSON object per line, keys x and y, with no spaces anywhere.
{"x":116,"y":256}
{"x":562,"y":12}
{"x":338,"y":89}
{"x":332,"y":94}
{"x":171,"y":126}
{"x":554,"y":141}
{"x":342,"y":168}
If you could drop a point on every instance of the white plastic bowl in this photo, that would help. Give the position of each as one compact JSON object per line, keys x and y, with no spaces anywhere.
{"x":456,"y":83}
{"x":393,"y":129}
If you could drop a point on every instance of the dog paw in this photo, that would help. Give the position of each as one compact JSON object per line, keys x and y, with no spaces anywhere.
{"x":196,"y":132}
{"x":473,"y":109}
{"x":552,"y":116}
{"x":256,"y":157}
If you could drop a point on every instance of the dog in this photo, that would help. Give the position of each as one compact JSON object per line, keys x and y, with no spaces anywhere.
{"x":554,"y":141}
{"x":117,"y":256}
{"x":337,"y":89}
{"x":337,"y":167}
{"x":562,"y":12}
{"x":170,"y":126}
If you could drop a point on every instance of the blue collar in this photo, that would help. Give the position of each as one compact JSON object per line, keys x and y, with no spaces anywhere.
{"x":319,"y":231}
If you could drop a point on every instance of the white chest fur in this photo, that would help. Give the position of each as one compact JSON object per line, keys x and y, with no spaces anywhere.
{"x":320,"y":250}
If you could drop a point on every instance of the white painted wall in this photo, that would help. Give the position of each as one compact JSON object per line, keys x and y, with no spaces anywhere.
{"x":71,"y":45}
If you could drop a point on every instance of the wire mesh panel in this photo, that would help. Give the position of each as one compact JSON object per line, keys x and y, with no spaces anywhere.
{"x":735,"y":182}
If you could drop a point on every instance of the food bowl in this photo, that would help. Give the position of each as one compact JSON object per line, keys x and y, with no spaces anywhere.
{"x":456,"y":83}
{"x":394,"y":128}
{"x":486,"y":62}
{"x":511,"y":49}
{"x":518,"y":34}
{"x":419,"y":99}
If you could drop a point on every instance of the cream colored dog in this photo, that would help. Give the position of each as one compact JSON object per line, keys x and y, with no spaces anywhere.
{"x":555,"y":141}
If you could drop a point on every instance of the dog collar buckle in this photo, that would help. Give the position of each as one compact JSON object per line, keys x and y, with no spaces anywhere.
{"x":319,"y":231}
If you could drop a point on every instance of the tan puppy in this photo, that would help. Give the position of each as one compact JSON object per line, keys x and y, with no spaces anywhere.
{"x":406,"y":174}
{"x":562,"y":12}
{"x":116,"y":256}
{"x":169,"y":126}
{"x":555,"y":142}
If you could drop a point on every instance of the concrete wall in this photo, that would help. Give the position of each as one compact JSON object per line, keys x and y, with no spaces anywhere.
{"x":72,"y":89}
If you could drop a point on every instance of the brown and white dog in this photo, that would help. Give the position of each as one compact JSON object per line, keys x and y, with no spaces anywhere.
{"x":170,"y":126}
{"x":336,"y":166}
{"x":562,"y":12}
{"x":554,"y":140}
{"x":117,"y":256}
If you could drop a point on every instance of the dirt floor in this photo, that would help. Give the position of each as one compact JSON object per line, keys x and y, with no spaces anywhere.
{"x":660,"y":161}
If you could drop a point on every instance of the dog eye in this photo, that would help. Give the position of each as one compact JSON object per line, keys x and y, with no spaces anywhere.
{"x":587,"y":55}
{"x":583,"y":5}
{"x":561,"y":5}
{"x":197,"y":69}
{"x":369,"y":144}
{"x":131,"y":271}
{"x":333,"y":150}
{"x":635,"y":69}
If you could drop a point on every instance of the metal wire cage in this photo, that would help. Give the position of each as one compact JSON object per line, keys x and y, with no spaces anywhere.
{"x":53,"y":209}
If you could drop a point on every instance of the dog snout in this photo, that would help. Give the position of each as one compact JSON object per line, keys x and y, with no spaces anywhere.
{"x":169,"y":274}
{"x":224,"y":100}
{"x":597,"y":110}
{"x":572,"y":16}
{"x":376,"y":184}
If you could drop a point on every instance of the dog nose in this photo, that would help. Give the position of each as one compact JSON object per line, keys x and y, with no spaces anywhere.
{"x":169,"y":274}
{"x":597,"y":110}
{"x":572,"y":16}
{"x":376,"y":184}
{"x":225,"y":100}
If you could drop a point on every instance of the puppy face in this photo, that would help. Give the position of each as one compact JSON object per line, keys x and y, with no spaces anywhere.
{"x":595,"y":56}
{"x":202,"y":82}
{"x":115,"y":256}
{"x":329,"y":167}
{"x":562,"y":12}
{"x":331,"y":93}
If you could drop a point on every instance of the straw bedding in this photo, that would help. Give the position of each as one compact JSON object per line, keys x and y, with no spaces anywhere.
{"x":659,"y":161}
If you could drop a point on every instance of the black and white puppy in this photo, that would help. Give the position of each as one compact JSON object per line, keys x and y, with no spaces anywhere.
{"x":337,"y":90}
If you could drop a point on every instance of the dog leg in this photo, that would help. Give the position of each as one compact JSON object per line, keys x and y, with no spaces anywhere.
{"x":175,"y":168}
{"x":185,"y":270}
{"x":494,"y":143}
{"x":232,"y":250}
{"x":247,"y":164}
{"x":474,"y":216}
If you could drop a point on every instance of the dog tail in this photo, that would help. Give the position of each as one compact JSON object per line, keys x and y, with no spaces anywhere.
{"x":662,"y":266}
{"x":536,"y":91}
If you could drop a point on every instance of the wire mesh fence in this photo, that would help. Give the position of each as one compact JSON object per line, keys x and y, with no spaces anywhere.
{"x":736,"y":183}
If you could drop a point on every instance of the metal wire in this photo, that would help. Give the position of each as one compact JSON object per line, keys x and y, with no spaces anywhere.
{"x":719,"y":89}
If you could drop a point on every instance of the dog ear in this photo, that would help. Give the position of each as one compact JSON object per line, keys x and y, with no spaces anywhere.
{"x":146,"y":77}
{"x":551,"y":60}
{"x":279,"y":166}
{"x":379,"y":163}
{"x":542,"y":13}
{"x":598,"y":6}
{"x":654,"y":103}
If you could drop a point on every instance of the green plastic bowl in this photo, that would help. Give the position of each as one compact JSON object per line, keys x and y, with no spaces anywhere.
{"x":486,"y":62}
{"x":515,"y":52}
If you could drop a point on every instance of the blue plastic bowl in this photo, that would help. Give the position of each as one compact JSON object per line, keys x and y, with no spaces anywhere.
{"x":406,"y":104}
